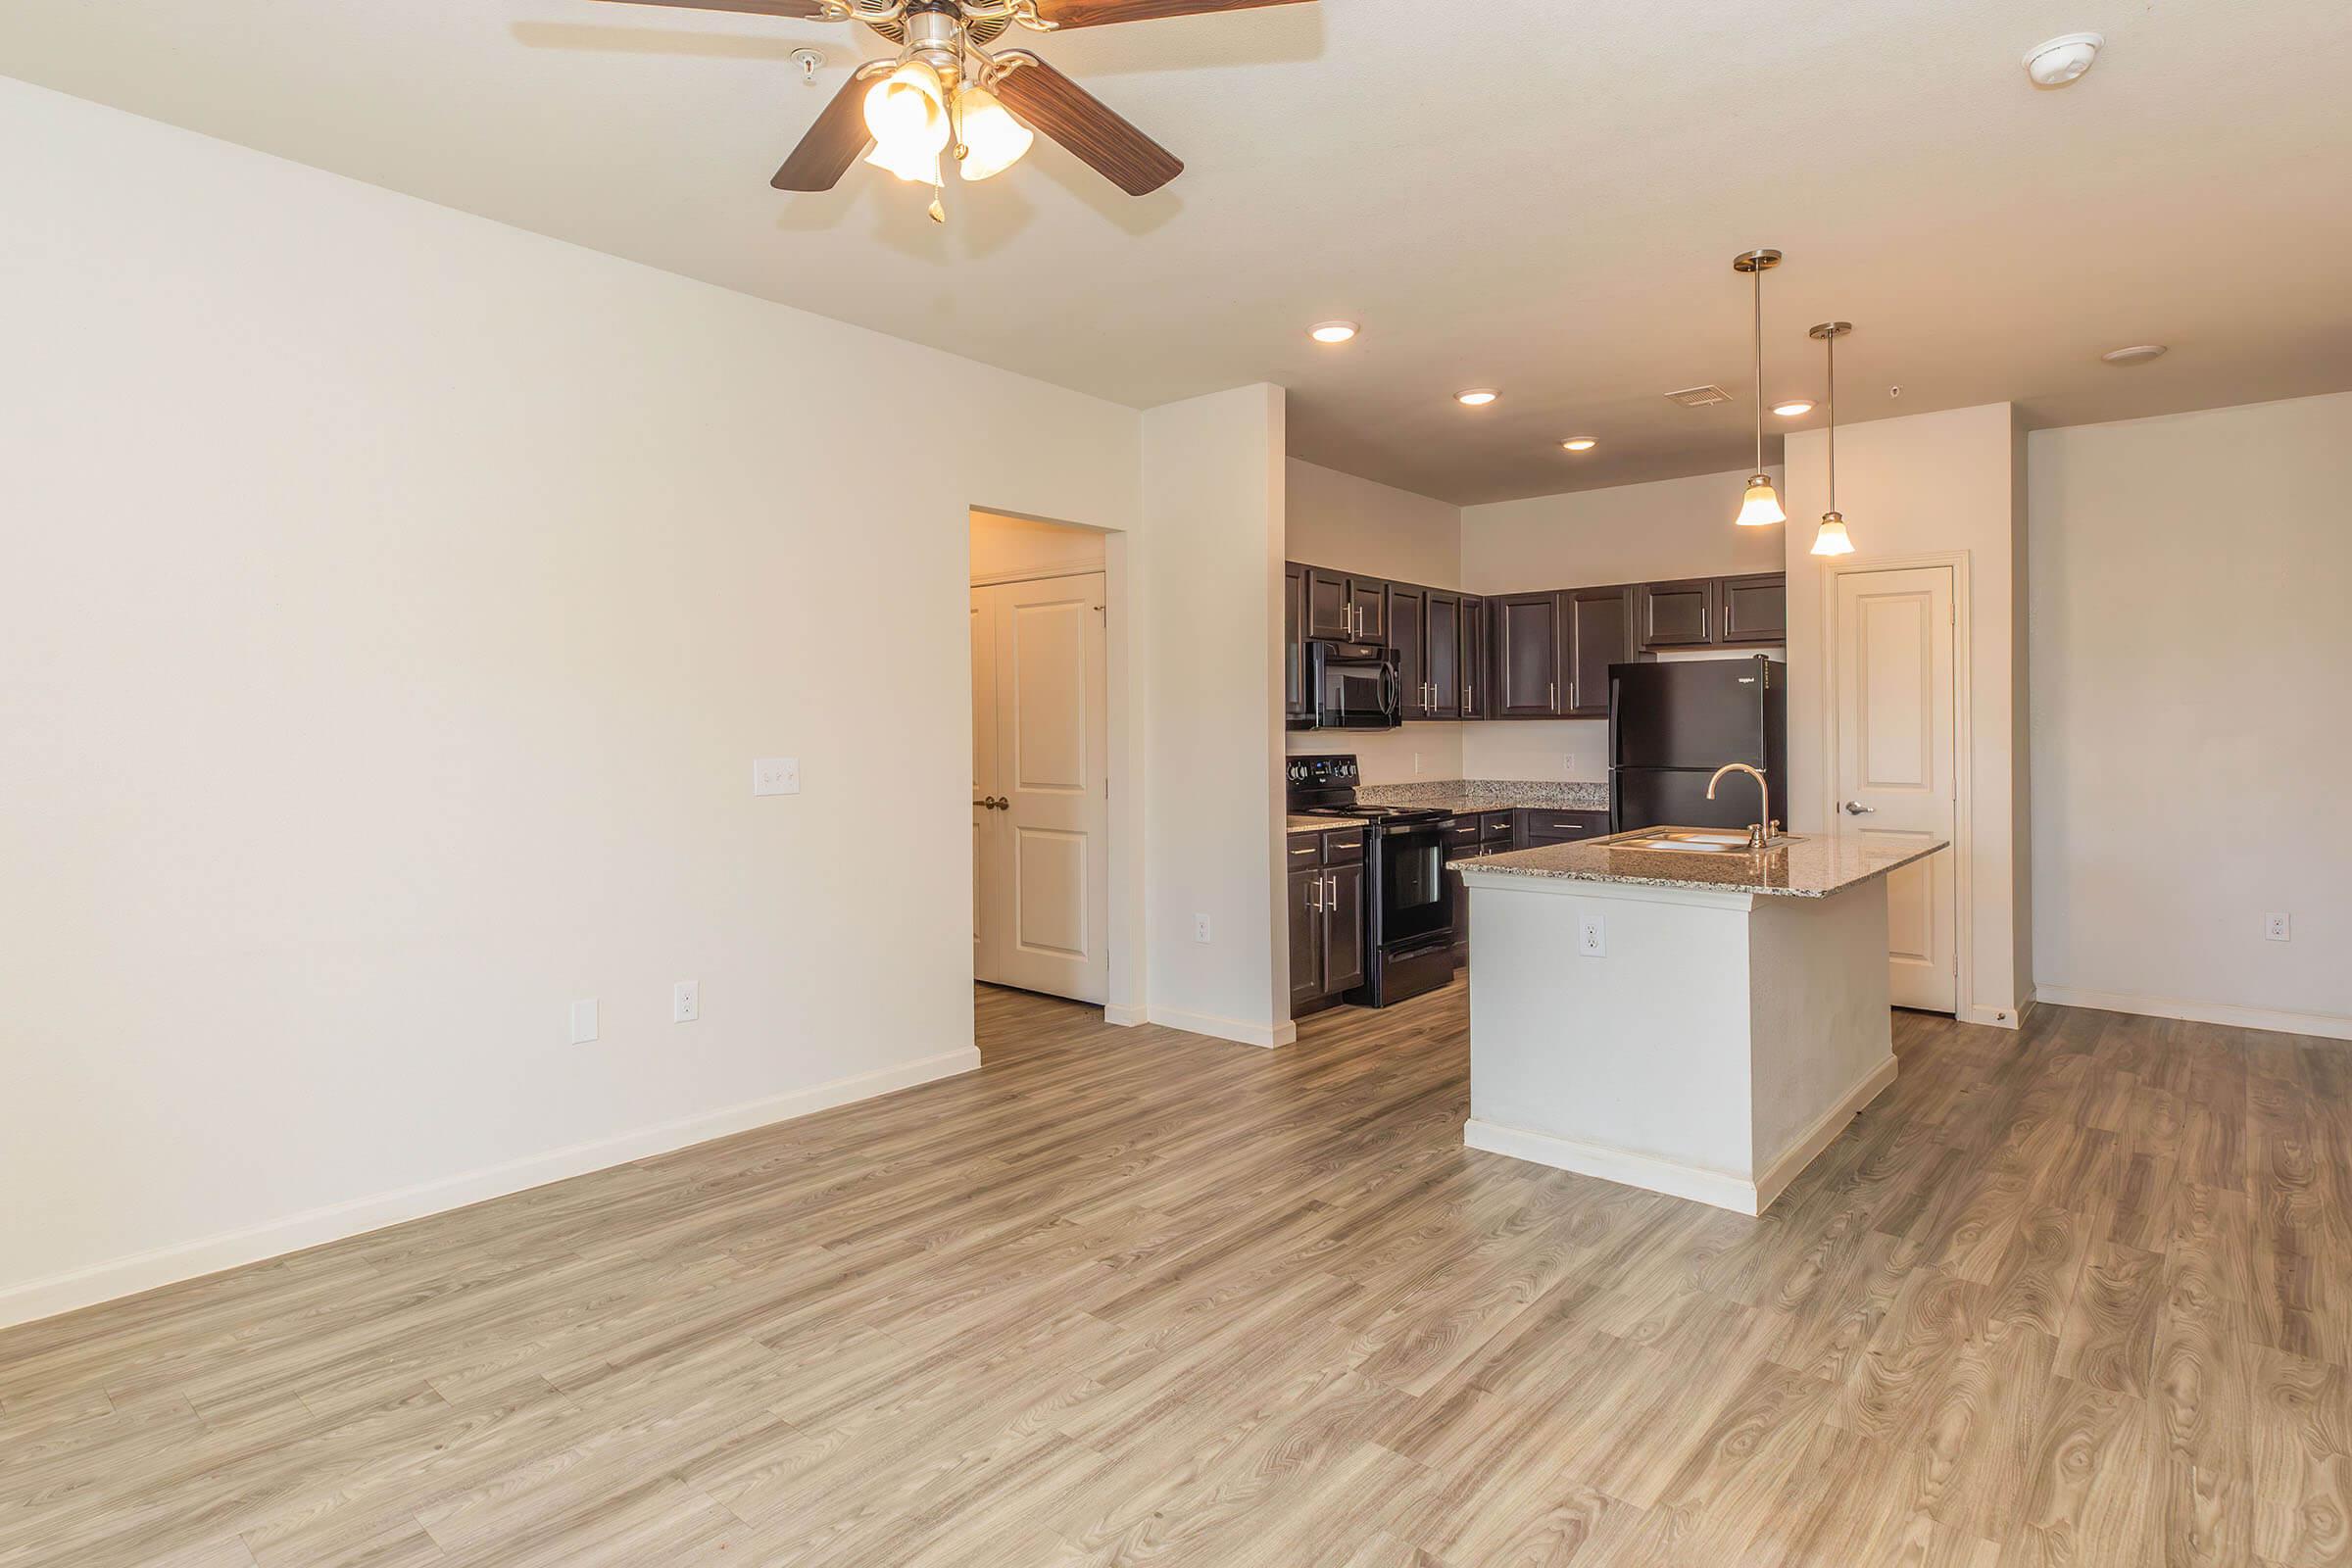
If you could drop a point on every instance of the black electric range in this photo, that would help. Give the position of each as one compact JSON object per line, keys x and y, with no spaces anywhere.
{"x":1408,"y":910}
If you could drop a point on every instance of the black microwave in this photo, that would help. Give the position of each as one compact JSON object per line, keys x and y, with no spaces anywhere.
{"x":1355,"y":685}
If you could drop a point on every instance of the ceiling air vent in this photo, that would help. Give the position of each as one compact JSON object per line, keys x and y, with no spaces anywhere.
{"x":1698,"y":397}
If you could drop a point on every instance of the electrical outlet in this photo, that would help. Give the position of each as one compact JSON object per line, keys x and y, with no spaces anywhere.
{"x":1568,"y":764}
{"x":685,"y":1001}
{"x":776,"y":775}
{"x":1200,"y":928}
{"x":1591,"y":937}
{"x":583,"y":1021}
{"x":2279,"y":928}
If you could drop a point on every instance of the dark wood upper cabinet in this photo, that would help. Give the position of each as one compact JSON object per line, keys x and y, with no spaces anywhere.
{"x":1473,"y":667}
{"x":1408,"y":634}
{"x":1441,"y":627}
{"x":1330,"y":612}
{"x":1295,"y":706}
{"x":1677,"y":615}
{"x":1753,"y":610}
{"x":1525,"y":629}
{"x":1600,"y":633}
{"x":1345,"y":608}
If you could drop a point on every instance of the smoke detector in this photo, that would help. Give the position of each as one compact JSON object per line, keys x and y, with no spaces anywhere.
{"x":1698,"y":397}
{"x":2055,"y":61}
{"x":2136,"y":354}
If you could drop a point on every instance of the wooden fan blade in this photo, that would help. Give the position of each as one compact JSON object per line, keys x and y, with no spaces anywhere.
{"x":1100,"y":12}
{"x":832,"y":144}
{"x":795,"y":10}
{"x":1045,"y":100}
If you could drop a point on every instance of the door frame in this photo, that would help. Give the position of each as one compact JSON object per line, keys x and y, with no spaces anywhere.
{"x":1964,"y":750}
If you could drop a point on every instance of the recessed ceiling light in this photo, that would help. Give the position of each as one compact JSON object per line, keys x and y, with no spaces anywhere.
{"x":1793,"y":408}
{"x":1331,"y":331}
{"x":2136,"y":354}
{"x":1476,"y":397}
{"x":1580,"y":443}
{"x":2055,"y":61}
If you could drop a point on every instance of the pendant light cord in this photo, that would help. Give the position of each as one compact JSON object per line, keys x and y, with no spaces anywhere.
{"x":1757,"y":276}
{"x":1833,"y":343}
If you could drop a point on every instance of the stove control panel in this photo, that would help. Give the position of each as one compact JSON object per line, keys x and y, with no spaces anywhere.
{"x":1323,"y":772}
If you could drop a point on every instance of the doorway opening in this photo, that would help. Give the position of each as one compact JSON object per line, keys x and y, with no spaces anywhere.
{"x":1042,"y":808}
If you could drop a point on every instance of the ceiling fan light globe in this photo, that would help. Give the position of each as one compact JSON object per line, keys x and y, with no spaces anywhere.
{"x":992,"y":141}
{"x":1760,"y":507}
{"x":907,"y":111}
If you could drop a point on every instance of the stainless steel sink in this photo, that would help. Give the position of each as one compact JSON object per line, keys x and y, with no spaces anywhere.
{"x":1691,"y":841}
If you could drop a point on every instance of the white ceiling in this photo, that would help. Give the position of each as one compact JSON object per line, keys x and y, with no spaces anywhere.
{"x":1546,"y":201}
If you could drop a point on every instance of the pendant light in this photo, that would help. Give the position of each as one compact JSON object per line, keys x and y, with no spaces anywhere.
{"x":1833,"y":540}
{"x":1760,"y":507}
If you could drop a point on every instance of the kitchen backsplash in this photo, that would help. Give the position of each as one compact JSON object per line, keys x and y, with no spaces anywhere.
{"x":1489,"y":793}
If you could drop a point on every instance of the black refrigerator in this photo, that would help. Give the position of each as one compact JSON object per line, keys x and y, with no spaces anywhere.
{"x":1672,"y":725}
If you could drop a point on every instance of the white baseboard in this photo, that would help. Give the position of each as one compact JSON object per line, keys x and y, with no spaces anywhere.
{"x":1700,"y":1184}
{"x":1126,"y":1014}
{"x":186,"y":1260}
{"x":1239,"y":1030}
{"x":2327,"y":1025}
{"x":1620,"y":1165}
{"x":1823,"y":1133}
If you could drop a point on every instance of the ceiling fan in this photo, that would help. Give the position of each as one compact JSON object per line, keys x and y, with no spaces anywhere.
{"x":946,"y":94}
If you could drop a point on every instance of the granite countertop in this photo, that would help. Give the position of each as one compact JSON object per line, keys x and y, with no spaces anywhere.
{"x":1322,"y":824}
{"x":1807,"y":867}
{"x":1489,"y":795}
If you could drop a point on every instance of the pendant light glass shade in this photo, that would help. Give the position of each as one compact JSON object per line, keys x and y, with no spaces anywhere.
{"x":992,"y":141}
{"x":908,"y":115}
{"x":1762,"y":507}
{"x":1832,"y":539}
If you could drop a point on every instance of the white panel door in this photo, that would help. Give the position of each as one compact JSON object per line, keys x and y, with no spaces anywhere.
{"x":1896,"y":746}
{"x":1042,"y":919}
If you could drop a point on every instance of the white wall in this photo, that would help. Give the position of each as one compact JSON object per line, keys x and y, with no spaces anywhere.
{"x":1926,"y":485}
{"x":1337,"y":519}
{"x":1628,"y":533}
{"x":1212,"y":596}
{"x":394,"y":602}
{"x":2190,"y":741}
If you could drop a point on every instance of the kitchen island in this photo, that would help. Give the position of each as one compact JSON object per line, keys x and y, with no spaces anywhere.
{"x":1699,"y":1018}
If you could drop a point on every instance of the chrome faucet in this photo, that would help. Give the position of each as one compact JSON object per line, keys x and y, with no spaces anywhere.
{"x":1761,"y":833}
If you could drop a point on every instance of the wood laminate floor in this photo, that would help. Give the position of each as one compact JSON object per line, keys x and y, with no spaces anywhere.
{"x":2075,"y":1295}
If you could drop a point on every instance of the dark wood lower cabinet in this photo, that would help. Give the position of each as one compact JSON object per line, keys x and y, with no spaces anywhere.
{"x":1344,"y":929}
{"x":1325,"y":904}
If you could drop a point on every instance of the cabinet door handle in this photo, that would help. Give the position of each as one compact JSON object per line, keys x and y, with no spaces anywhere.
{"x":1317,"y":903}
{"x":1552,"y":695}
{"x":1331,"y":884}
{"x":1309,"y":850}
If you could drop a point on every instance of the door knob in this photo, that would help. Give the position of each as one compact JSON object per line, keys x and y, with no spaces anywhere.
{"x":1857,"y":809}
{"x":1002,"y":804}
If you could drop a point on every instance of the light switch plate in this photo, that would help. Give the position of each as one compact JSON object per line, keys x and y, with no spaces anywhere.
{"x":685,"y":1001}
{"x":583,"y":1021}
{"x":776,"y":775}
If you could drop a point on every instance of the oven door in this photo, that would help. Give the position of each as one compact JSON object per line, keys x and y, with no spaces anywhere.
{"x":1356,"y":687}
{"x":1415,"y":903}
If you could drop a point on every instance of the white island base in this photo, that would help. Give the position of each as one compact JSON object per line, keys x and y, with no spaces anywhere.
{"x":1720,"y":1042}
